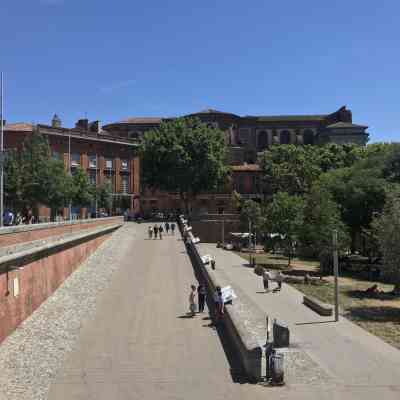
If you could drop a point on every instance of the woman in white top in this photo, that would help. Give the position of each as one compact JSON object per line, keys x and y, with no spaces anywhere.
{"x":192,"y":301}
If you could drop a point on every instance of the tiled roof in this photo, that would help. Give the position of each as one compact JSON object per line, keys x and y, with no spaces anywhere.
{"x":276,"y":118}
{"x":246,"y":167}
{"x":142,"y":120}
{"x":19,"y":127}
{"x":346,"y":125}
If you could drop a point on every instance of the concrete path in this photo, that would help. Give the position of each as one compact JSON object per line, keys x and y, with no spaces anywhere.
{"x":359,"y":364}
{"x":140,"y":345}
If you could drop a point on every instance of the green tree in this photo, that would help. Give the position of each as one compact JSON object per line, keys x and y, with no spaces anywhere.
{"x":284,"y":216}
{"x":104,"y":196}
{"x":12,"y":181}
{"x":360,"y":193}
{"x":184,"y":156}
{"x":294,"y":169}
{"x":82,"y":190}
{"x":387,"y":226}
{"x":59,"y":186}
{"x":35,"y":156}
{"x":39,"y":179}
{"x":321,"y":218}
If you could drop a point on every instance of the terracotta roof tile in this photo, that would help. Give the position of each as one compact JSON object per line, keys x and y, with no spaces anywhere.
{"x":19,"y":127}
{"x":346,"y":125}
{"x":142,"y":120}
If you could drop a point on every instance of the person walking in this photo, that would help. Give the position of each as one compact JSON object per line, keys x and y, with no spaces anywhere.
{"x":167,"y":227}
{"x":265,"y":278}
{"x":160,"y":231}
{"x":150,"y":231}
{"x":219,"y":304}
{"x":201,"y":295}
{"x":155,"y":229}
{"x":173,"y":228}
{"x":192,"y":300}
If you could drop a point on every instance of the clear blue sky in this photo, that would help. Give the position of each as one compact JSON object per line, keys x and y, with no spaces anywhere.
{"x":115,"y":59}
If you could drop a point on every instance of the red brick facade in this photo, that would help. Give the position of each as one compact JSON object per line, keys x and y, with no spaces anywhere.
{"x":101,"y":155}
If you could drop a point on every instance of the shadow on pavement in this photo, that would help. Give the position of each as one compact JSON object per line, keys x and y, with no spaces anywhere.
{"x":186,"y":316}
{"x":315,"y":322}
{"x":236,"y":367}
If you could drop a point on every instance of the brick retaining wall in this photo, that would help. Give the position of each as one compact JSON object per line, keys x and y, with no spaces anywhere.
{"x":13,"y":235}
{"x":40,"y":271}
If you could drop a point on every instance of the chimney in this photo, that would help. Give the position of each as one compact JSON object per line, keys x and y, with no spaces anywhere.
{"x":56,"y":121}
{"x":95,"y":127}
{"x":82,"y":124}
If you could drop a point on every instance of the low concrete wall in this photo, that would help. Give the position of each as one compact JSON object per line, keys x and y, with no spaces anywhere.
{"x":13,"y":235}
{"x":245,"y":344}
{"x":210,"y":231}
{"x":29,"y":277}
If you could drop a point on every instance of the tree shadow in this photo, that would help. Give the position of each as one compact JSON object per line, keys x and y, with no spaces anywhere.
{"x":375,"y":313}
{"x":236,"y":368}
{"x":362,"y":294}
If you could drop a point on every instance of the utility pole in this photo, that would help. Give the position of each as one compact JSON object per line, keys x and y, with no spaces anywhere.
{"x":96,"y":182}
{"x":249,"y":234}
{"x":336,"y":272}
{"x":1,"y":153}
{"x":70,"y":173}
{"x":223,"y":232}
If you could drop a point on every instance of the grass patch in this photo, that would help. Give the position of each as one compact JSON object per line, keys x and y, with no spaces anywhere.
{"x":381,"y":317}
{"x":279,"y":261}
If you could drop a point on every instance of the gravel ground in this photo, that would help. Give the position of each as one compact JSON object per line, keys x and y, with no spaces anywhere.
{"x":31,"y":357}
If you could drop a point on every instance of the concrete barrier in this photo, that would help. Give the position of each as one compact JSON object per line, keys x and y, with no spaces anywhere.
{"x":318,"y":306}
{"x":244,"y":343}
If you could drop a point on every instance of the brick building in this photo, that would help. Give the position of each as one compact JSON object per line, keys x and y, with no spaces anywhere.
{"x":103,"y":156}
{"x":109,"y":152}
{"x":245,"y":137}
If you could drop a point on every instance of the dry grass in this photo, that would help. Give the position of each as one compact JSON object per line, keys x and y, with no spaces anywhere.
{"x":380,"y":316}
{"x":280,"y":262}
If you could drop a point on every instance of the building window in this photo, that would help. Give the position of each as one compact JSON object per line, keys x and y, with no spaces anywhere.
{"x":285,"y":137}
{"x":92,"y":161}
{"x":93,"y":177}
{"x":308,"y":137}
{"x":124,"y":165}
{"x":108,"y":179}
{"x":262,"y":140}
{"x":125,"y":184}
{"x":109,"y":163}
{"x":75,"y":159}
{"x":134,"y":135}
{"x":244,"y":134}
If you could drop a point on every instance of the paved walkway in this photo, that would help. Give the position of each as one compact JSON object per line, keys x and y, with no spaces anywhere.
{"x":359,"y":364}
{"x":140,"y":345}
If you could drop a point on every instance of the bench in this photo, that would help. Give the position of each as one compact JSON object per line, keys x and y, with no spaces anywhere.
{"x":318,"y":306}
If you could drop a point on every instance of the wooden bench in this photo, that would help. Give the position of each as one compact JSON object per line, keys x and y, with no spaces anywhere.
{"x":318,"y":306}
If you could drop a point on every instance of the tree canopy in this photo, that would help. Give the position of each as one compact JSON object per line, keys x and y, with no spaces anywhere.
{"x":185,"y":156}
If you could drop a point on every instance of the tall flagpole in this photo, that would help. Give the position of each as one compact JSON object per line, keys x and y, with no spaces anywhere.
{"x":1,"y":154}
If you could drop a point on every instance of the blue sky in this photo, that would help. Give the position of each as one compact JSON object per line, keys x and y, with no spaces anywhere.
{"x":114,"y":59}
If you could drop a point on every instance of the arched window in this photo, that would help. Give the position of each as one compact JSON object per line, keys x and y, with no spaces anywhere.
{"x":285,"y":137}
{"x":262,"y":140}
{"x":308,"y":137}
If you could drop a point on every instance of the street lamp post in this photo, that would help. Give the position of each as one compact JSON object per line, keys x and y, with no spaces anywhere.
{"x":336,"y":272}
{"x":70,"y":173}
{"x":1,"y":153}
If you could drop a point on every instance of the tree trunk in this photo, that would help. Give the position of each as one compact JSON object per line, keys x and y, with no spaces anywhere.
{"x":186,"y":202}
{"x":396,"y":289}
